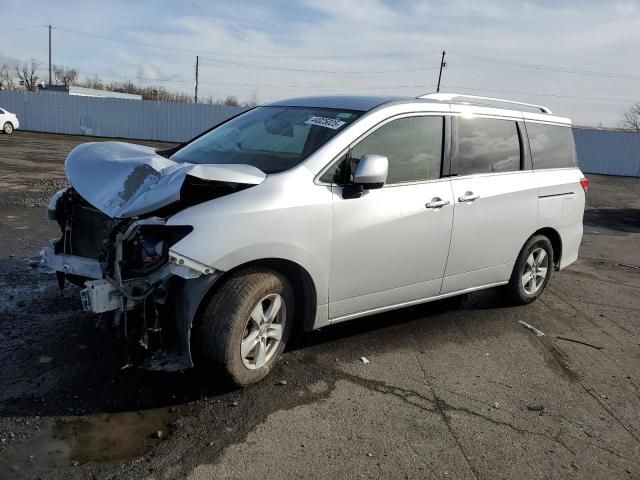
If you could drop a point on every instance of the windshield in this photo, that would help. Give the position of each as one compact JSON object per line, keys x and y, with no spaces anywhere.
{"x":272,"y":139}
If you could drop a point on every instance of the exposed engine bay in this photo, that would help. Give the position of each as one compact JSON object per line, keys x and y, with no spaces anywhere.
{"x":115,"y":243}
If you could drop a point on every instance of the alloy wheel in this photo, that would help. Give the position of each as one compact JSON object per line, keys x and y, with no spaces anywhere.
{"x":536,"y":270}
{"x":263,"y":331}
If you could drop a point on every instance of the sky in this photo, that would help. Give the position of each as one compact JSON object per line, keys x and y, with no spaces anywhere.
{"x":579,"y":58}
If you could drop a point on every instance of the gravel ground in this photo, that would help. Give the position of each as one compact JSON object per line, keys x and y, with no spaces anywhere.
{"x":454,"y":389}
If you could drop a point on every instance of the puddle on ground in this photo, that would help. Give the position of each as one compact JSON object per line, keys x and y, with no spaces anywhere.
{"x":103,"y":437}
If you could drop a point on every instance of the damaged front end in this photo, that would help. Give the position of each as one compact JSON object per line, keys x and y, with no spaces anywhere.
{"x":116,"y":244}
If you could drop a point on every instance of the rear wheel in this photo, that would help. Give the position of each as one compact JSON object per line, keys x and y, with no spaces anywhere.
{"x":532,"y":270}
{"x":245,"y":326}
{"x":7,"y":128}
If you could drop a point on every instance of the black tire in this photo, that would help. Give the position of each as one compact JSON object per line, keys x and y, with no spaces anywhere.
{"x":515,"y":289}
{"x":219,"y":334}
{"x":7,"y":128}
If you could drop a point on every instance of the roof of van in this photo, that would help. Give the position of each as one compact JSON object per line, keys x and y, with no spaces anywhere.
{"x":361,"y":103}
{"x":365,"y":103}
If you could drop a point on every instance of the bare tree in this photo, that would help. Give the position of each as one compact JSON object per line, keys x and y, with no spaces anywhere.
{"x":26,"y":73}
{"x":253,"y":100}
{"x":65,"y":76}
{"x":92,"y":82}
{"x":231,"y":101}
{"x":6,"y":79}
{"x":631,"y":118}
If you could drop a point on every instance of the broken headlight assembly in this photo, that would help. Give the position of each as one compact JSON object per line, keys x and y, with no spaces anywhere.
{"x":146,"y":248}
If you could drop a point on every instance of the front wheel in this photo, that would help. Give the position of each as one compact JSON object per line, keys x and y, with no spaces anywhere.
{"x":532,"y":270}
{"x":7,"y":128}
{"x":245,"y":326}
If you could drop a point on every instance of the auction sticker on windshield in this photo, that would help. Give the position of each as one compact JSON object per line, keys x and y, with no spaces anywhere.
{"x":331,"y":123}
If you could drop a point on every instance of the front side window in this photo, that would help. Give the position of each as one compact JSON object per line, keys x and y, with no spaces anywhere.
{"x":413,"y":146}
{"x":487,"y":145}
{"x":552,"y":146}
{"x":272,"y":139}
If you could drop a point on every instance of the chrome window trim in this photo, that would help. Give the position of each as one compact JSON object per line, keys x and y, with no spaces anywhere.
{"x":490,"y":174}
{"x":555,"y":124}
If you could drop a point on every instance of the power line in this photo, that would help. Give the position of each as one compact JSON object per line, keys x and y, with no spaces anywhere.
{"x":231,"y":84}
{"x":457,"y":50}
{"x":369,"y":87}
{"x":21,"y":28}
{"x":550,"y":68}
{"x":538,"y":94}
{"x":227,"y":54}
{"x":306,"y":70}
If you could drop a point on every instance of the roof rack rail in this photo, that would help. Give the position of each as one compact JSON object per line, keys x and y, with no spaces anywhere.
{"x":447,"y":97}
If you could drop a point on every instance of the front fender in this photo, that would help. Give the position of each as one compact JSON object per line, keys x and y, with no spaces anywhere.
{"x":283,"y":218}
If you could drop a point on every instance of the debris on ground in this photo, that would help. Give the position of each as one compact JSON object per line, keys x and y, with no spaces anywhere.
{"x":567,"y":339}
{"x":364,"y":360}
{"x":282,"y":382}
{"x":626,"y":265}
{"x":532,"y":328}
{"x":535,"y":408}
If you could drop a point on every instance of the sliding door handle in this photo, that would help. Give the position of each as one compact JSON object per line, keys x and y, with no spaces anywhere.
{"x":468,"y":197}
{"x":437,"y":202}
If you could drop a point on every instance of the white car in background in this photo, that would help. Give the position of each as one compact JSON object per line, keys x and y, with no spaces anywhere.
{"x":8,"y":122}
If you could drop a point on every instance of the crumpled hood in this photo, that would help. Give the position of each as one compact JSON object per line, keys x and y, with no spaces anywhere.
{"x":124,"y":180}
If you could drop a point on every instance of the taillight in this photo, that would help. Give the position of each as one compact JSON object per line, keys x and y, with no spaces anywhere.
{"x":584,"y":182}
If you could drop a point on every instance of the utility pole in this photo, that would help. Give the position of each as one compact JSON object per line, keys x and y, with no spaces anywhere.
{"x":196,"y":96}
{"x":442,"y":65}
{"x":49,"y":54}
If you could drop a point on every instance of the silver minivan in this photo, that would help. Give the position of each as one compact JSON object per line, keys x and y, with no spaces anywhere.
{"x":313,"y":211}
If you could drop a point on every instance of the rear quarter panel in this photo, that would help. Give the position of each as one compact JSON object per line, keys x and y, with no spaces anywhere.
{"x":561,"y":207}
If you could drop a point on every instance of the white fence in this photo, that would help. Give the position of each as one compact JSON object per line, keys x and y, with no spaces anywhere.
{"x":112,"y":117}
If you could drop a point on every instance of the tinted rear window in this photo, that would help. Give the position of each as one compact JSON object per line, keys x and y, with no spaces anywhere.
{"x":552,"y":146}
{"x":487,"y":145}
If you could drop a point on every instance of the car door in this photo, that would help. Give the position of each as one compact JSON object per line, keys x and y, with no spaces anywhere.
{"x":496,"y":204}
{"x":389,"y":245}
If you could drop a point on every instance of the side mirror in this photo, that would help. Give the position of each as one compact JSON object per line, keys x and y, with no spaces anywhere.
{"x":371,"y":171}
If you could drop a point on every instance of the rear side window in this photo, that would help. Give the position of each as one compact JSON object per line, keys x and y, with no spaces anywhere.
{"x":552,"y":146}
{"x":413,"y":146}
{"x":487,"y":145}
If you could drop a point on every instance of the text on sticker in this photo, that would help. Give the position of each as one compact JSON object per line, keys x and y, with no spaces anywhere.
{"x":332,"y":123}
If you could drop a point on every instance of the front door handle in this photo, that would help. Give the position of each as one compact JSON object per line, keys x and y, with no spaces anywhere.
{"x":468,"y":197}
{"x":437,"y":202}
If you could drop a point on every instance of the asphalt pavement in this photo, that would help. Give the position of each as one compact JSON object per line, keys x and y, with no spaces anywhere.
{"x":452,"y":389}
